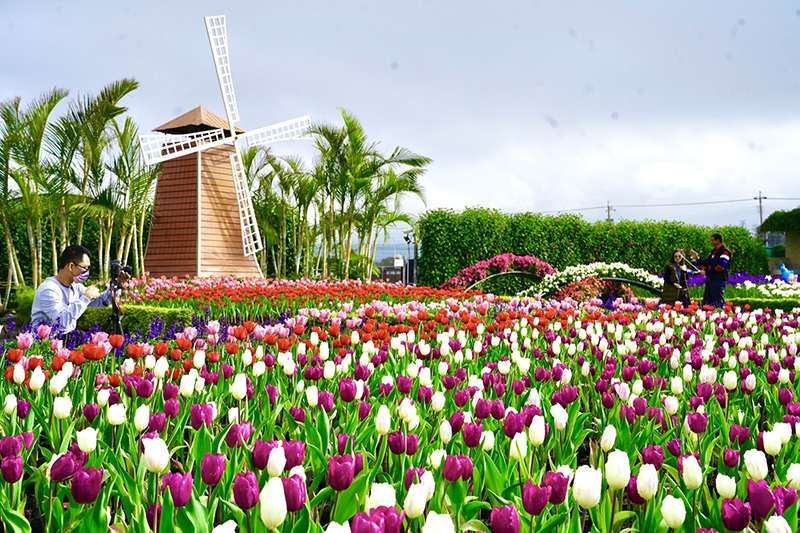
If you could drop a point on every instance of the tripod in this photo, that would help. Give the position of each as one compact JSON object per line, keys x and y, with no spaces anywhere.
{"x":114,"y":322}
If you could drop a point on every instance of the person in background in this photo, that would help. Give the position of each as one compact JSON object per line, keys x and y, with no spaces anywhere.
{"x":61,"y":299}
{"x":676,"y":288}
{"x":717,"y":270}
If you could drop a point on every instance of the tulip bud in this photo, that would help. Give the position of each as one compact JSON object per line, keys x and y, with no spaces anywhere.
{"x":312,"y":396}
{"x":587,"y":486}
{"x":239,"y":387}
{"x":276,"y":462}
{"x":519,"y":447}
{"x":609,"y":438}
{"x":445,"y":431}
{"x":674,"y":511}
{"x":647,"y":481}
{"x":156,"y":455}
{"x":10,"y":404}
{"x":560,"y":416}
{"x":415,"y":501}
{"x":536,"y":432}
{"x":273,"y":503}
{"x":437,"y":402}
{"x":618,"y":469}
{"x":692,"y":474}
{"x":142,"y":417}
{"x":755,"y":463}
{"x":726,"y":486}
{"x":383,"y":420}
{"x":62,"y":407}
{"x":87,"y":440}
{"x":487,"y":441}
{"x":772,"y":442}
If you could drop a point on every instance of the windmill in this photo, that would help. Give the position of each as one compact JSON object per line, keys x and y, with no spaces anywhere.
{"x":203,"y":219}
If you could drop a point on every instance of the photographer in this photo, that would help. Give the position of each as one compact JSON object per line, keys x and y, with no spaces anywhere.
{"x":62,"y":299}
{"x":717,"y":269}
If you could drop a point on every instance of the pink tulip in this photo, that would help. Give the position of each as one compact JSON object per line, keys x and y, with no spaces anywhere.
{"x":43,"y":331}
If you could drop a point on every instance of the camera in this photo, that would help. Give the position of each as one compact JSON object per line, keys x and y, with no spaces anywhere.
{"x":116,"y":270}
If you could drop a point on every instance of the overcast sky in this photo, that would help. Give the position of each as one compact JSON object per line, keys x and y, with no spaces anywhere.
{"x":523,"y":106}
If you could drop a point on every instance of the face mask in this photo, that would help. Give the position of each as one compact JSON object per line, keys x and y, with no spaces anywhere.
{"x":83,"y":276}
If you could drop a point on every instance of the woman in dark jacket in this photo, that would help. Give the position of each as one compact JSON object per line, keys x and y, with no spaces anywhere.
{"x":676,"y":288}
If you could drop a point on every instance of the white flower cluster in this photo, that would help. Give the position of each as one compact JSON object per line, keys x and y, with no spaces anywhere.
{"x":554,"y":282}
{"x":777,"y":289}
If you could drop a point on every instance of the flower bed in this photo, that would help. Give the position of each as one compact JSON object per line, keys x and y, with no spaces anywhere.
{"x":457,"y":414}
{"x":553,"y":282}
{"x":496,"y":265}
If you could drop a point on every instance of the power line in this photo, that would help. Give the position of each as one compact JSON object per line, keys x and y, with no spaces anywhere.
{"x":608,"y":207}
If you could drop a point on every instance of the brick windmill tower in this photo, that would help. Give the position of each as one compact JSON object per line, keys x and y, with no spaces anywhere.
{"x":203,"y":220}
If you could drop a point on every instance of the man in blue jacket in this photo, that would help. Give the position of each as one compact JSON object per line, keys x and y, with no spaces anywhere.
{"x":61,"y":299}
{"x":717,"y":270}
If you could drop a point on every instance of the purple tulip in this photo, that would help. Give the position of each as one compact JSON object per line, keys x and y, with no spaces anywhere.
{"x":11,"y":445}
{"x":498,"y":410}
{"x":294,"y":489}
{"x":245,"y":490}
{"x":157,"y":423}
{"x":674,"y":447}
{"x":413,"y":475}
{"x":653,"y":455}
{"x":784,"y":498}
{"x":78,"y":455}
{"x":144,"y":388}
{"x":467,"y":467}
{"x":200,"y":414}
{"x":513,"y":424}
{"x":559,"y":483}
{"x":697,"y":422}
{"x":505,"y":519}
{"x":760,"y":498}
{"x":91,"y":412}
{"x":295,"y":451}
{"x":27,"y":438}
{"x":735,"y":514}
{"x":483,"y":409}
{"x":172,"y":408}
{"x":363,"y":410}
{"x":298,"y":413}
{"x":150,"y":515}
{"x":63,"y":467}
{"x":11,"y":468}
{"x":412,"y":443}
{"x":456,"y":421}
{"x":212,"y":467}
{"x":379,"y":520}
{"x":472,"y":434}
{"x":171,"y":391}
{"x":325,"y":401}
{"x":180,"y":486}
{"x":347,"y":390}
{"x":785,"y":396}
{"x":261,"y":451}
{"x":341,"y":440}
{"x":535,"y":497}
{"x":237,"y":435}
{"x":86,"y":484}
{"x":341,"y":470}
{"x":397,"y":442}
{"x":738,"y":434}
{"x":452,"y":468}
{"x":730,"y":458}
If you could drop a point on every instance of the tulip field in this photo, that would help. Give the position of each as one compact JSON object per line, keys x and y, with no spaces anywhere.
{"x":384,"y":408}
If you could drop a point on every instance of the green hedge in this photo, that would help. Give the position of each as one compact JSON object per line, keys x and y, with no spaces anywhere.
{"x":136,"y":317}
{"x":787,"y":304}
{"x":451,"y":241}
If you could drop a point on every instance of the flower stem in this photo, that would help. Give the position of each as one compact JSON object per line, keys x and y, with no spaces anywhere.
{"x":613,"y":510}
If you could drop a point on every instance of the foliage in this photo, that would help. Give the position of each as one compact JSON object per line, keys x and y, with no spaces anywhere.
{"x":136,"y":318}
{"x":451,"y":241}
{"x":784,"y":304}
{"x":782,"y":221}
{"x":779,"y":250}
{"x":498,"y":264}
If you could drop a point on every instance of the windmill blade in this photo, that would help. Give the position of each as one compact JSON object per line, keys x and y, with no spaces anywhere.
{"x":251,"y":236}
{"x":218,"y":39}
{"x":295,"y":129}
{"x":161,"y":147}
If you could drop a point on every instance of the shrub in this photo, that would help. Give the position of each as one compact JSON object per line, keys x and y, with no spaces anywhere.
{"x":136,"y":317}
{"x":451,"y":241}
{"x":784,"y":304}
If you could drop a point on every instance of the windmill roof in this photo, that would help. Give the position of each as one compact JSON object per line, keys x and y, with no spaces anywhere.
{"x":198,"y":119}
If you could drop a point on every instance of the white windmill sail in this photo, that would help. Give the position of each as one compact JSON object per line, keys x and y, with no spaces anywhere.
{"x":158,"y":147}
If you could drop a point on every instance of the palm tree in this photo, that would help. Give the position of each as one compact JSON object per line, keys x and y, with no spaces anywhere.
{"x":9,"y":122}
{"x":349,"y":167}
{"x":93,"y":117}
{"x":34,"y":170}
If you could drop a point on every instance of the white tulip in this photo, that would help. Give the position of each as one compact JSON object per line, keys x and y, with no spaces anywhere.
{"x":87,"y":440}
{"x":276,"y":461}
{"x":487,"y":441}
{"x":417,"y":497}
{"x":755,"y":462}
{"x":62,"y":407}
{"x":438,"y":523}
{"x":141,"y":419}
{"x":674,"y":511}
{"x":618,"y":469}
{"x":381,"y":494}
{"x":692,"y":474}
{"x":536,"y":432}
{"x":726,"y":486}
{"x":10,"y":404}
{"x":647,"y":482}
{"x":383,"y":420}
{"x":156,"y":455}
{"x":609,"y":438}
{"x":777,"y":524}
{"x":587,"y":486}
{"x":117,"y":414}
{"x":273,"y":503}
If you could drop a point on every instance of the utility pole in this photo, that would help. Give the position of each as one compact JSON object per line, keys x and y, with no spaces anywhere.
{"x":761,"y":214}
{"x":609,"y":209}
